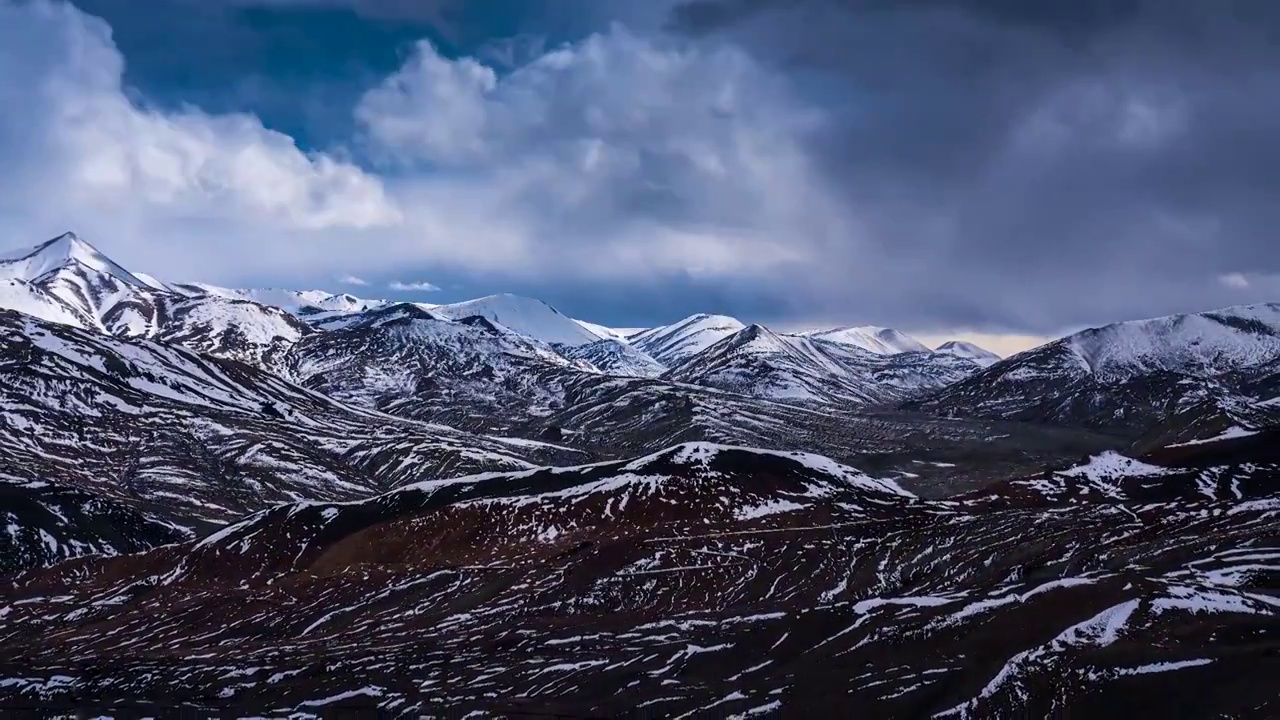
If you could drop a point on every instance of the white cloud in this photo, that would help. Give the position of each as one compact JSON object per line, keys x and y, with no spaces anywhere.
{"x":81,"y":153}
{"x":352,"y":280}
{"x":616,"y":157}
{"x":420,"y":286}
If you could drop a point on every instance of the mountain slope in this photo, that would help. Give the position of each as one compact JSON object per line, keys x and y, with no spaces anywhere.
{"x":470,"y":373}
{"x":1129,"y":377}
{"x":616,"y":357}
{"x":196,"y":440}
{"x":701,"y":579}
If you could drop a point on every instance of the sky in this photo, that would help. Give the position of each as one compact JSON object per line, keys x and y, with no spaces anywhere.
{"x":995,"y":170}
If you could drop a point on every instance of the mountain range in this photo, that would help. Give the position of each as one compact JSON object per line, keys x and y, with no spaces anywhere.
{"x":492,"y":507}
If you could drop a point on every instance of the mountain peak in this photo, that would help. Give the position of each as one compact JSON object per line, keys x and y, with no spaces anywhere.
{"x":879,"y":340}
{"x":968,"y":351}
{"x":66,"y":250}
{"x":527,"y":316}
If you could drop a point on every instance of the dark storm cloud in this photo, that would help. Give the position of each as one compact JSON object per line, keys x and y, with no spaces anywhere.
{"x":1033,"y":166}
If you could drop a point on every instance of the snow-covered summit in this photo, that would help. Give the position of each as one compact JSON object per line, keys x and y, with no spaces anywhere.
{"x":879,"y":340}
{"x":63,"y":252}
{"x":671,"y":344}
{"x":526,"y":316}
{"x":969,"y":351}
{"x":1208,"y":343}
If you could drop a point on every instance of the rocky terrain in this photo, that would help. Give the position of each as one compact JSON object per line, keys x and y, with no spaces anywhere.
{"x":293,"y":503}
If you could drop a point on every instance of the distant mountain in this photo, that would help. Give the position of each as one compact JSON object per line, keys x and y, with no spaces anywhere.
{"x":672,"y":344}
{"x":403,"y":359}
{"x":526,"y":316}
{"x":303,"y":303}
{"x":878,"y":340}
{"x":1132,"y":377}
{"x":756,"y":361}
{"x":616,"y":357}
{"x":969,"y":351}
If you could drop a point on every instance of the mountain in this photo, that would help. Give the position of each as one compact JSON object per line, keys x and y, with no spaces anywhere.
{"x":672,"y":344}
{"x":1132,"y":378}
{"x":697,"y":580}
{"x":66,"y":280}
{"x":878,"y":340}
{"x":193,"y":440}
{"x":303,"y":303}
{"x":756,"y":361}
{"x":526,"y":316}
{"x":616,"y":357}
{"x":969,"y":351}
{"x":415,"y":363}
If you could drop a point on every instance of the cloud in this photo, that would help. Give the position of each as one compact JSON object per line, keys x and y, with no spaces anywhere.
{"x":616,"y":157}
{"x":81,"y":152}
{"x":927,"y":165}
{"x":352,"y":280}
{"x":1031,"y":166}
{"x":419,"y":286}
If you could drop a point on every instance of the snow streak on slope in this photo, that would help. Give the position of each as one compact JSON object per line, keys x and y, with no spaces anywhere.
{"x":605,"y":332}
{"x":882,"y":341}
{"x":672,"y":344}
{"x":526,"y":316}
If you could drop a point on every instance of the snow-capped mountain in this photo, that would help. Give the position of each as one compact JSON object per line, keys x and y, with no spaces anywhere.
{"x":878,"y":340}
{"x":616,"y":357}
{"x":414,"y":362}
{"x":526,"y":316}
{"x":497,"y":503}
{"x":196,"y":440}
{"x":66,"y":280}
{"x":298,"y":302}
{"x":674,"y":343}
{"x":969,"y":351}
{"x":1136,"y":377}
{"x":757,"y":361}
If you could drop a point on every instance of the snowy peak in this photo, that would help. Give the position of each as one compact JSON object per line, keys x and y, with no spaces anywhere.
{"x":672,"y":344}
{"x":529,"y":317}
{"x":969,"y":351}
{"x":65,"y":251}
{"x":1208,"y":343}
{"x":879,"y":340}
